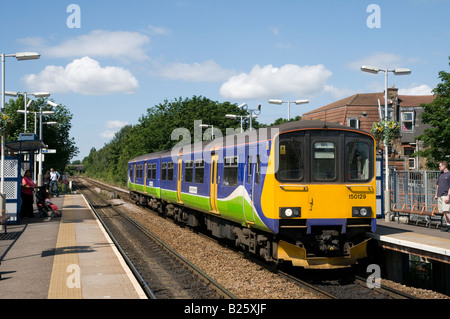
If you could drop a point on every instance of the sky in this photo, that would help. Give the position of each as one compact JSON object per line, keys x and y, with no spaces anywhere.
{"x":108,"y":61}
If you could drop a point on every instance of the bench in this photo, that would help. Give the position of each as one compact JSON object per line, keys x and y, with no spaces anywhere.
{"x":408,"y":210}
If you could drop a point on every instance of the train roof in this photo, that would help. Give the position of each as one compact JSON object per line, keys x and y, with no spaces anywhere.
{"x":259,"y":135}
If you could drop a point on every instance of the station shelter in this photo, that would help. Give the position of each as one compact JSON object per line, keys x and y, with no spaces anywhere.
{"x":21,"y":159}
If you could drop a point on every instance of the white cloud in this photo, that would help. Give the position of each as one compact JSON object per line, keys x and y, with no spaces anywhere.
{"x":84,"y":76}
{"x":272,"y":82}
{"x":379,"y":59}
{"x":115,"y":124}
{"x":112,"y":128}
{"x":122,"y":45}
{"x":108,"y":134}
{"x":416,"y":89}
{"x":207,"y":71}
{"x":383,"y":60}
{"x":159,"y":30}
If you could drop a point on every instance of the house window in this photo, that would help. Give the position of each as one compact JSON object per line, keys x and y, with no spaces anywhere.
{"x":408,"y":121}
{"x":353,"y":122}
{"x":412,"y":162}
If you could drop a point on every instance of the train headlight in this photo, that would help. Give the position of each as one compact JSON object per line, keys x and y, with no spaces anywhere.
{"x":290,"y":212}
{"x":361,"y":211}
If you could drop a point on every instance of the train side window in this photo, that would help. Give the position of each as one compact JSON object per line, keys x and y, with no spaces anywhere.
{"x":131,"y":173}
{"x":154,"y":170}
{"x":258,"y":169}
{"x":290,"y":159}
{"x":139,"y":171}
{"x":324,"y":157}
{"x":199,"y":171}
{"x":149,"y":171}
{"x":249,"y":169}
{"x":357,"y":159}
{"x":170,"y":171}
{"x":230,"y":171}
{"x":163,"y":171}
{"x":188,"y":171}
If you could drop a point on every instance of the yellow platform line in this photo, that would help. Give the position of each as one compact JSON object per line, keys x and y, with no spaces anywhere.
{"x":65,"y":282}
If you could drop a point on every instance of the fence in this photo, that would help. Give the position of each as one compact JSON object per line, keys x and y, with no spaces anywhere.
{"x":412,"y":193}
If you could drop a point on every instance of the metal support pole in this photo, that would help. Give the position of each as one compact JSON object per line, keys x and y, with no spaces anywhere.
{"x":387,"y":195}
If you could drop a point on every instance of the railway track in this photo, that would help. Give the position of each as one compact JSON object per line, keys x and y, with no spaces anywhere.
{"x":162,"y":272}
{"x":342,"y":286}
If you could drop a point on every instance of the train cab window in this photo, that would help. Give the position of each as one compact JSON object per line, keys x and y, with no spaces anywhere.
{"x":230,"y":171}
{"x":163,"y":171}
{"x":290,"y":166}
{"x":357,"y":159}
{"x":188,"y":171}
{"x":199,"y":171}
{"x":324,"y":161}
{"x":170,"y":171}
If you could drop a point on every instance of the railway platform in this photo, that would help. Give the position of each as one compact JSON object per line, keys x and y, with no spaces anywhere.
{"x":67,"y":257}
{"x":422,"y":241}
{"x":400,"y":241}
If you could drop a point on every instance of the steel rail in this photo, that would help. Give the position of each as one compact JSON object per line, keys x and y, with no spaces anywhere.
{"x":216,"y":286}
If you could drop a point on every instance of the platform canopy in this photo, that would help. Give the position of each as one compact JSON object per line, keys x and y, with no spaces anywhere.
{"x":27,"y":142}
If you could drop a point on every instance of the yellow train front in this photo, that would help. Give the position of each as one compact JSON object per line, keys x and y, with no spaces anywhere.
{"x":320,"y":187}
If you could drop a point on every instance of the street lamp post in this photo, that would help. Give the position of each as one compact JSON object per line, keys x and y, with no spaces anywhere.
{"x":21,"y":56}
{"x":212,"y":129}
{"x":25,"y":95}
{"x":279,"y":102}
{"x":253,"y":112}
{"x":233,"y":116}
{"x":397,"y":71}
{"x":40,"y":178}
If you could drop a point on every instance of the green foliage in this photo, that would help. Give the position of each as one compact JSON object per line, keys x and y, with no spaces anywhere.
{"x":386,"y":131}
{"x":154,"y":133}
{"x":55,"y":136}
{"x":436,"y":139}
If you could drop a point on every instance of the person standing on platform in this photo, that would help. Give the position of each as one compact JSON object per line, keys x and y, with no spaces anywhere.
{"x":443,"y":194}
{"x":26,"y":210}
{"x":54,"y":179}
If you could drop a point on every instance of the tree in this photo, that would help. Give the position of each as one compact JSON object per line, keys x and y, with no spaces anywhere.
{"x":436,"y":139}
{"x":154,"y":133}
{"x":55,"y":136}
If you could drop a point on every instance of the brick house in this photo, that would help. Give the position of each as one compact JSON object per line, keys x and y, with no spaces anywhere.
{"x":363,"y":109}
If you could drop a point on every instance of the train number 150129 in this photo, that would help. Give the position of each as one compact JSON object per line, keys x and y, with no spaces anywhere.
{"x":357,"y":196}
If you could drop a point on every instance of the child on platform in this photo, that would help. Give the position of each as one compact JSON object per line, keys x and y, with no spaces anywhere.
{"x":49,"y":203}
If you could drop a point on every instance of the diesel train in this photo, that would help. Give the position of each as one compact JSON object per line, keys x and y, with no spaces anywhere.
{"x":301,"y":192}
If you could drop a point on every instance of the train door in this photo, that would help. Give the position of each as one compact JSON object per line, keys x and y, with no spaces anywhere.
{"x":145,"y":177}
{"x":179,"y":178}
{"x":249,"y":183}
{"x":134,"y":176}
{"x":213,"y":183}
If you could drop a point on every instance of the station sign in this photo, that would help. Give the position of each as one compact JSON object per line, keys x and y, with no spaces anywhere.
{"x":48,"y":151}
